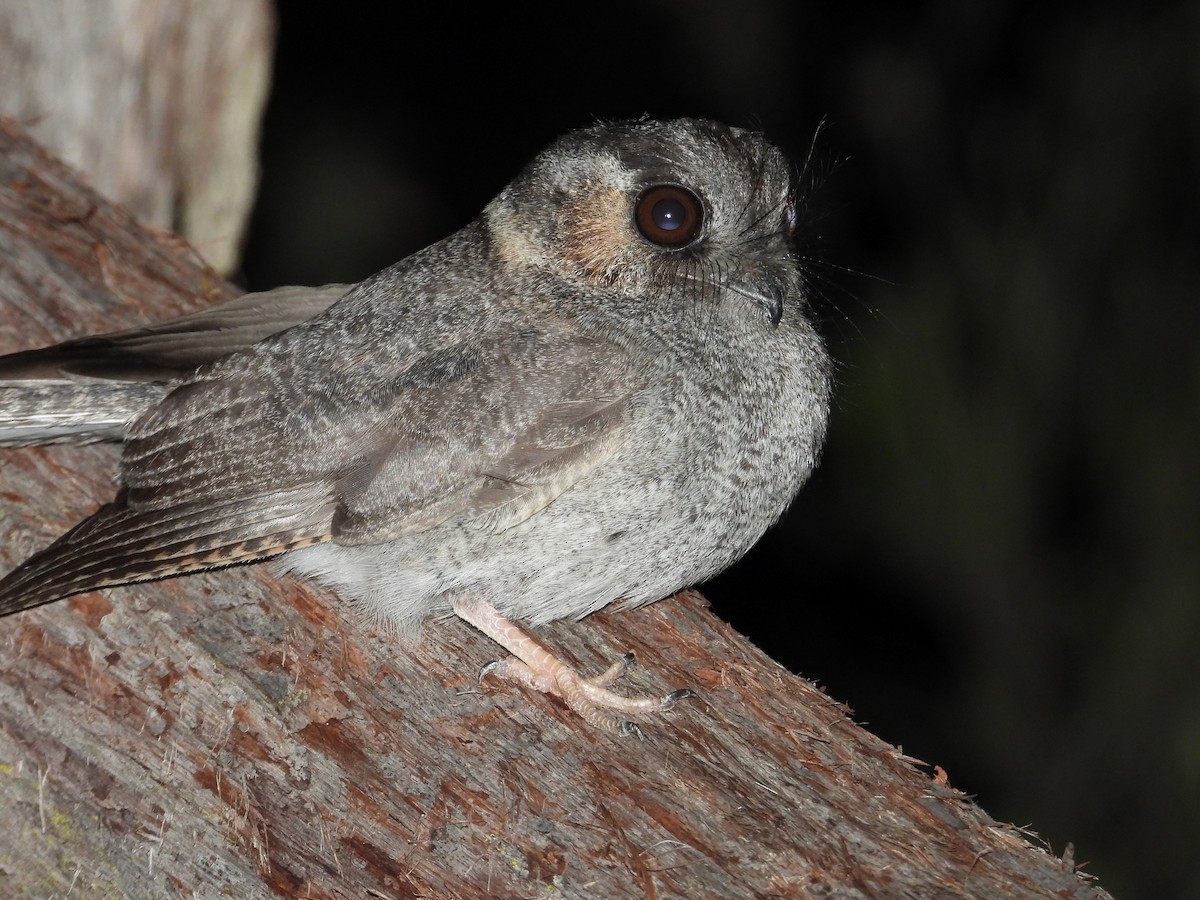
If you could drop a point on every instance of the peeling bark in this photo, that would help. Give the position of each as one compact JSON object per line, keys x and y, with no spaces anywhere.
{"x":238,"y":734}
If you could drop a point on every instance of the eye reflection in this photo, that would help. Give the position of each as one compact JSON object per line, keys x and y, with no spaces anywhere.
{"x":669,"y":215}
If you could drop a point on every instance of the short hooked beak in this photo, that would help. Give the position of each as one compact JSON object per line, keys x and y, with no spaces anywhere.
{"x":766,"y":290}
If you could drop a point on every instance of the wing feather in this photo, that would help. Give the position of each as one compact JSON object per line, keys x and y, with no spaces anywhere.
{"x":172,"y":349}
{"x":281,"y":447}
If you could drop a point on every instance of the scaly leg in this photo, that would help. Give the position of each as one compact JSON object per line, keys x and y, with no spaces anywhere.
{"x":534,"y":665}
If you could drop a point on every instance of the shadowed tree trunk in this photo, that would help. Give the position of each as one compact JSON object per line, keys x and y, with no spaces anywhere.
{"x":157,"y":102}
{"x":238,"y":734}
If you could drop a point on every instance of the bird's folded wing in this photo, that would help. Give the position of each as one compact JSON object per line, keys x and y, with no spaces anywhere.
{"x":250,"y":460}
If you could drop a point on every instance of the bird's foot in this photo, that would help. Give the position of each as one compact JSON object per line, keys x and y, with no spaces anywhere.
{"x":534,"y":665}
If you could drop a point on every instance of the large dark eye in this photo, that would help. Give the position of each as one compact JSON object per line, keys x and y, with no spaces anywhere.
{"x":669,"y":215}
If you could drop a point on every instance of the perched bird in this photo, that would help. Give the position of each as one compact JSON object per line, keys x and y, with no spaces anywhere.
{"x":604,"y":389}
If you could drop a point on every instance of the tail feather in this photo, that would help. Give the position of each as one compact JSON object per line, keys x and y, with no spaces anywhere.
{"x":58,"y":412}
{"x":119,"y":545}
{"x":91,"y":389}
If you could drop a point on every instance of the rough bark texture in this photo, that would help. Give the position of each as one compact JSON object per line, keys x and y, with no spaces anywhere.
{"x":235,"y":734}
{"x":157,"y":102}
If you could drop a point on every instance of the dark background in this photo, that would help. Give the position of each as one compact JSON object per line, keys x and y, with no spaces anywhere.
{"x":998,"y":564}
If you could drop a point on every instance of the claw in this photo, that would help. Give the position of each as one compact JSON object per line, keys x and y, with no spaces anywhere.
{"x":613,"y":672}
{"x":630,"y":729}
{"x":489,"y":668}
{"x":675,"y":696}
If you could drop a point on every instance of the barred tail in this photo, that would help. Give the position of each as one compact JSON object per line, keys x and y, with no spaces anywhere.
{"x":119,"y":545}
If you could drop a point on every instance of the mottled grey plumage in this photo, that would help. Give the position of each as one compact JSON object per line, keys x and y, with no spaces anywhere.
{"x":549,"y":409}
